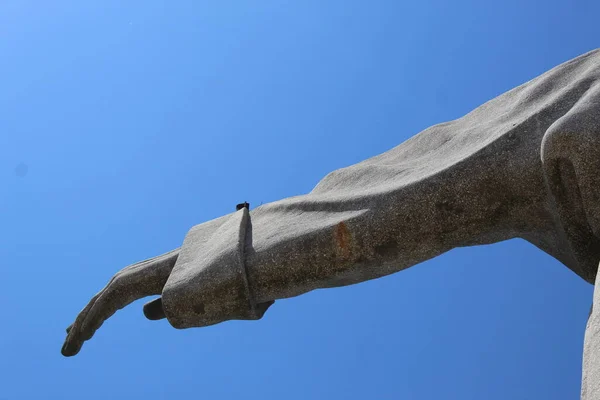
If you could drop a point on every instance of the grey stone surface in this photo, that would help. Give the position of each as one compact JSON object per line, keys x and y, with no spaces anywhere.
{"x":590,"y":382}
{"x":524,"y":164}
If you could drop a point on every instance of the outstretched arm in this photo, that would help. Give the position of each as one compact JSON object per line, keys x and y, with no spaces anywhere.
{"x":235,"y":266}
{"x":475,"y":180}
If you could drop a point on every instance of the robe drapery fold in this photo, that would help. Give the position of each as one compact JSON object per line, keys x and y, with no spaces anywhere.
{"x":212,"y":257}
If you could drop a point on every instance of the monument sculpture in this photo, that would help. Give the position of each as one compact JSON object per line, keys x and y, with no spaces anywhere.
{"x":525,"y":164}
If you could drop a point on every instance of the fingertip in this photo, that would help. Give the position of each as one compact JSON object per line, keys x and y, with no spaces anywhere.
{"x":64,"y":351}
{"x":69,"y":349}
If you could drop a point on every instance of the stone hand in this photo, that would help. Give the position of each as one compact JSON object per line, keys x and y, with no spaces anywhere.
{"x":145,"y":278}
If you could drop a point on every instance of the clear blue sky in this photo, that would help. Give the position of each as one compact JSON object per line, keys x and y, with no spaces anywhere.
{"x":124,"y":123}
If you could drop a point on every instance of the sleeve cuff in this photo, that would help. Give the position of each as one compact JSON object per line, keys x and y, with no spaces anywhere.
{"x":209,"y":282}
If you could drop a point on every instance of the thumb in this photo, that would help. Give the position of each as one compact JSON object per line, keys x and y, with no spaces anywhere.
{"x":154,"y":310}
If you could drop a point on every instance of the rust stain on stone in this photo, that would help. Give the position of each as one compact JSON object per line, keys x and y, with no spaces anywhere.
{"x":342,"y":240}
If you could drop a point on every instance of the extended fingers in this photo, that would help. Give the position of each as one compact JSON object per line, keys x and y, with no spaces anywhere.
{"x":119,"y":293}
{"x":134,"y":282}
{"x":73,"y":343}
{"x":122,"y":292}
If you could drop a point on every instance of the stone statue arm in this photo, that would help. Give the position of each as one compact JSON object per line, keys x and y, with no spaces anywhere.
{"x":234,"y":267}
{"x":522,"y":165}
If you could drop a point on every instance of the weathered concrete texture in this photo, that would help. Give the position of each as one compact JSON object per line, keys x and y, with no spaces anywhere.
{"x":590,"y":382}
{"x":525,"y":164}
